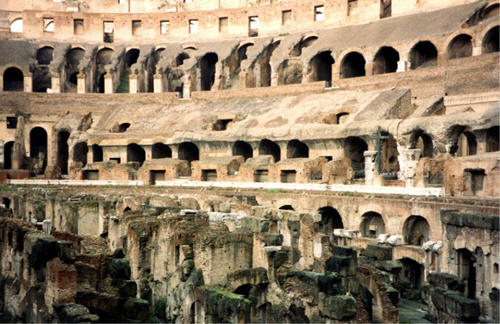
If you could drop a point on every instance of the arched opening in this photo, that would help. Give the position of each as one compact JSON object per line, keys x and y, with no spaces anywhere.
{"x":130,"y":59}
{"x":80,"y":151}
{"x":161,"y":151}
{"x":6,"y":203}
{"x":13,"y":80}
{"x":189,"y":151}
{"x":102,"y":59}
{"x":341,"y":117}
{"x":286,"y":207}
{"x":97,"y":154}
{"x":72,"y":68}
{"x":290,"y":72}
{"x":386,"y":60}
{"x":492,"y":11}
{"x":122,"y":128}
{"x":16,"y":26}
{"x":267,"y":147}
{"x":242,"y":148}
{"x":354,"y":149}
{"x":490,"y":41}
{"x":422,"y":141}
{"x":416,"y":230}
{"x":467,"y":271}
{"x":423,"y":54}
{"x":353,"y":65}
{"x":321,"y":67}
{"x":38,"y":145}
{"x":135,"y":153}
{"x":330,"y":220}
{"x":460,"y":46}
{"x":390,"y":162}
{"x":41,"y":74}
{"x":44,"y":55}
{"x":372,"y":225}
{"x":492,"y":139}
{"x":207,"y":71}
{"x":297,"y":315}
{"x":410,"y":278}
{"x":62,"y":151}
{"x":7,"y":155}
{"x":244,"y":290}
{"x":465,"y":142}
{"x":297,"y":149}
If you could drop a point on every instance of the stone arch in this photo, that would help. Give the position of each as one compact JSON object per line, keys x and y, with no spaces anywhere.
{"x":372,"y":224}
{"x":80,"y":151}
{"x":44,"y":55}
{"x":72,"y":67}
{"x":38,"y":144}
{"x":41,"y":74}
{"x":268,"y":147}
{"x":386,"y":60}
{"x":411,"y":277}
{"x":423,"y":141}
{"x":189,"y":151}
{"x":207,"y":71}
{"x":460,"y":46}
{"x":290,"y":72}
{"x":130,"y":58}
{"x":320,"y":66}
{"x":464,"y":141}
{"x":330,"y":220}
{"x":490,"y":41}
{"x":102,"y":58}
{"x":135,"y":153}
{"x":161,"y":151}
{"x":492,"y":139}
{"x":97,"y":154}
{"x":13,"y":79}
{"x":354,"y":149}
{"x":416,"y":230}
{"x":7,"y":154}
{"x":423,"y":54}
{"x":16,"y":25}
{"x":297,"y":149}
{"x":63,"y":151}
{"x":352,"y":65}
{"x":304,"y":42}
{"x":466,"y":271}
{"x":242,"y":148}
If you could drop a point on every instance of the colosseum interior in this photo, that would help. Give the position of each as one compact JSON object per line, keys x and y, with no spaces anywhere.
{"x":260,"y":161}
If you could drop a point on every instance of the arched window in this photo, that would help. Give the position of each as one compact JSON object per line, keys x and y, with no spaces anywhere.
{"x":267,"y":147}
{"x":207,"y":71}
{"x":460,"y":46}
{"x":242,"y":148}
{"x":353,"y":65}
{"x":330,"y":220}
{"x":492,"y":139}
{"x":386,"y":60}
{"x":161,"y":151}
{"x":13,"y":80}
{"x":423,"y":54}
{"x":135,"y":153}
{"x":38,"y":144}
{"x":490,"y":41}
{"x":44,"y":55}
{"x":321,"y":66}
{"x":297,"y":149}
{"x":16,"y":26}
{"x":372,"y":225}
{"x":416,"y":230}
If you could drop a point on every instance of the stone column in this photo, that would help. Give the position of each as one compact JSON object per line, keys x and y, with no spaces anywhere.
{"x":157,"y":83}
{"x":402,"y":66}
{"x":132,"y":83}
{"x":274,"y":77}
{"x":186,"y":86}
{"x":369,"y":69}
{"x":175,"y":150}
{"x":108,"y":83}
{"x":19,"y":150}
{"x":242,"y":79}
{"x":28,"y":83}
{"x":56,"y":82}
{"x":476,"y":51}
{"x":335,"y":73}
{"x":408,"y":160}
{"x":81,"y":83}
{"x":218,"y":70}
{"x":370,"y":172}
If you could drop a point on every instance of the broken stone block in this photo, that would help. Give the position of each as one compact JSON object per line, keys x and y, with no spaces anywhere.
{"x":75,"y":313}
{"x":395,"y":240}
{"x":428,"y":245}
{"x":340,"y":308}
{"x":377,"y":252}
{"x":437,"y":247}
{"x":127,"y":288}
{"x":119,"y":269}
{"x":446,"y":281}
{"x":136,"y":309}
{"x":382,"y":238}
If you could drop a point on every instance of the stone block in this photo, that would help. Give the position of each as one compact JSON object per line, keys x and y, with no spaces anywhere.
{"x":340,"y":308}
{"x":446,"y":281}
{"x":377,"y":252}
{"x":136,"y":309}
{"x":395,"y":240}
{"x":119,"y":269}
{"x":127,"y":288}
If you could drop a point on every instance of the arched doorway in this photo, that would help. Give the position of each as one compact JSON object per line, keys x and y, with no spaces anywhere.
{"x":386,"y":60}
{"x":321,"y":67}
{"x":330,"y":220}
{"x":38,"y":145}
{"x":416,"y":230}
{"x":467,"y":271}
{"x":135,"y":153}
{"x":161,"y":151}
{"x":102,"y":59}
{"x":97,"y":154}
{"x":490,"y":41}
{"x":353,"y":65}
{"x":423,"y":54}
{"x":460,"y":46}
{"x":7,"y":155}
{"x":297,"y":149}
{"x":63,"y":151}
{"x":13,"y":80}
{"x":372,"y":225}
{"x":492,"y":139}
{"x":242,"y":148}
{"x":72,"y":68}
{"x":267,"y":147}
{"x":354,"y":149}
{"x":422,"y":141}
{"x":207,"y":71}
{"x":80,"y":151}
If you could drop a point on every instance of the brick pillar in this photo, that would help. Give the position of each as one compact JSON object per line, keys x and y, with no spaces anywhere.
{"x":408,"y":160}
{"x":81,"y":83}
{"x":369,"y":69}
{"x":370,"y":171}
{"x":28,"y":83}
{"x":403,"y":66}
{"x":242,"y":79}
{"x":186,"y":87}
{"x":56,"y":83}
{"x":335,"y":73}
{"x":132,"y":83}
{"x":108,"y":83}
{"x":157,"y":83}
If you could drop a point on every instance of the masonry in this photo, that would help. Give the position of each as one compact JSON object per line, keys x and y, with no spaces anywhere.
{"x":249,"y":161}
